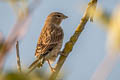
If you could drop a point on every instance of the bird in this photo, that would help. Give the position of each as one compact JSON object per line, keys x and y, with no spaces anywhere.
{"x":50,"y":40}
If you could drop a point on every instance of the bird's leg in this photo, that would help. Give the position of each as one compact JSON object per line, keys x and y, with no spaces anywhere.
{"x":61,"y":53}
{"x":52,"y":69}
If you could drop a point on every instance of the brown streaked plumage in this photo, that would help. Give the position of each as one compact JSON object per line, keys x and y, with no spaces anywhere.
{"x":51,"y":38}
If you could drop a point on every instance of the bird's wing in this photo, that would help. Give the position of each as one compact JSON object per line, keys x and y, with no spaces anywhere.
{"x":49,"y":38}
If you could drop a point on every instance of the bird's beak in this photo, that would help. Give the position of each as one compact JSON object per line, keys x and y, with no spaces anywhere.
{"x":65,"y":17}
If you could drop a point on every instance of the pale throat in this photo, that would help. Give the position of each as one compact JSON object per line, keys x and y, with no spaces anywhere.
{"x":57,"y":25}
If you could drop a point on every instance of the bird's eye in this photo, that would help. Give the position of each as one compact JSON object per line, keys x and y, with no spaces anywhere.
{"x":58,"y":16}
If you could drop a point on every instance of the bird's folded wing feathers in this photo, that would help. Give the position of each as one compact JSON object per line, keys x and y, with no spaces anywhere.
{"x":49,"y":38}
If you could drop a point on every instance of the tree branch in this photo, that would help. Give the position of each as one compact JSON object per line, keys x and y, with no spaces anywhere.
{"x":69,"y":45}
{"x":18,"y":57}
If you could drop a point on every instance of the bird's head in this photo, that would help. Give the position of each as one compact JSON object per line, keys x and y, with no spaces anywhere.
{"x":56,"y":17}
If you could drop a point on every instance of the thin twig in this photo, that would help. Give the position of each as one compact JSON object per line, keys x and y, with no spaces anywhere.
{"x":69,"y":45}
{"x":18,"y":57}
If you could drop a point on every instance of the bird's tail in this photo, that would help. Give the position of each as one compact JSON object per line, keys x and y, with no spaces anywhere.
{"x":37,"y":63}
